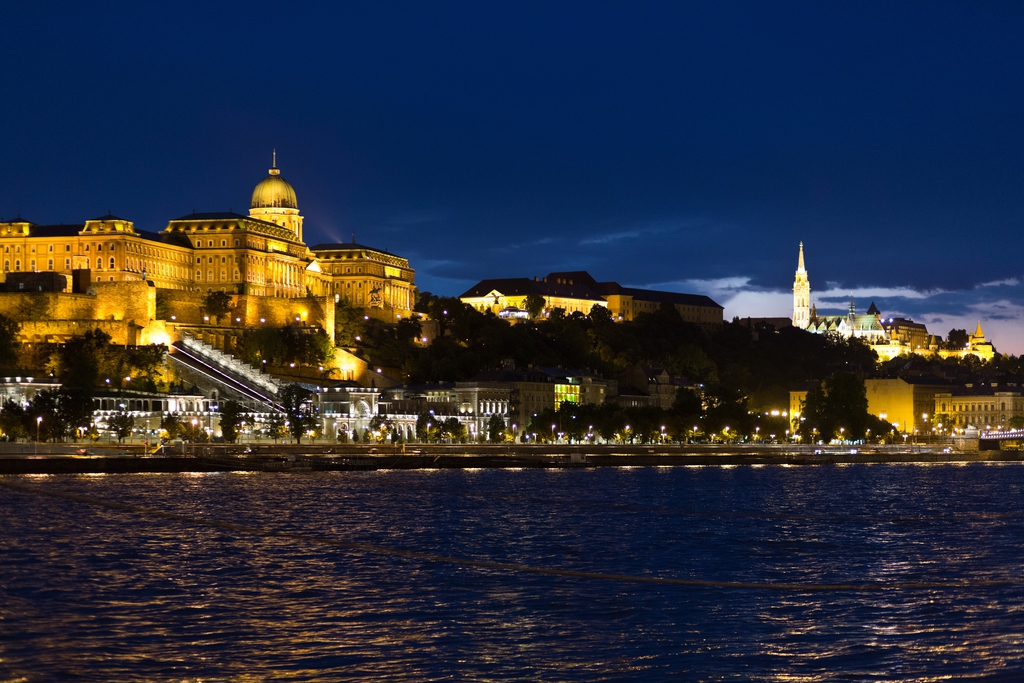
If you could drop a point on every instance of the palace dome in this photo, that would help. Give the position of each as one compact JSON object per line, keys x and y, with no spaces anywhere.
{"x":274,"y":192}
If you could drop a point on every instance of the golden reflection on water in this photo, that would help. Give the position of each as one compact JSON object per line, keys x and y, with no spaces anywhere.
{"x":154,"y":595}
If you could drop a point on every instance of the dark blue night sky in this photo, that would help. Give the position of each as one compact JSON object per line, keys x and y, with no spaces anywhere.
{"x":682,"y":145}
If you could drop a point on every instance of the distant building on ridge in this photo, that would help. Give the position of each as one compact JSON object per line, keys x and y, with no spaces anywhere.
{"x":579,"y":291}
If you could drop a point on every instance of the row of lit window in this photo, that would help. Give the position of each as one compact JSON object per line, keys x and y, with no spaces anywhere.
{"x":971,"y":407}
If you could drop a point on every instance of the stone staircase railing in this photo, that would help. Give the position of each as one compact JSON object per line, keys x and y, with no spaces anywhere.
{"x":232,"y":366}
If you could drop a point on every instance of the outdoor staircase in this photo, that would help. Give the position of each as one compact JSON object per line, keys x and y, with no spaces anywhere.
{"x":225,"y":369}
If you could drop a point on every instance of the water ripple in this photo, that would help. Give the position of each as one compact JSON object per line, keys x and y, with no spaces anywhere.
{"x":101,"y":594}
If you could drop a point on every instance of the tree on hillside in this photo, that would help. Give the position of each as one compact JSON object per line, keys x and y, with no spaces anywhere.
{"x":599,"y":314}
{"x":33,"y":306}
{"x":445,"y":309}
{"x":264,"y":344}
{"x":957,"y":339}
{"x":535,"y":304}
{"x":838,"y":407}
{"x":216,"y":304}
{"x":163,"y":304}
{"x":313,"y":349}
{"x":45,"y":405}
{"x":12,"y":420}
{"x":348,"y":323}
{"x":9,"y":345}
{"x":79,"y":360}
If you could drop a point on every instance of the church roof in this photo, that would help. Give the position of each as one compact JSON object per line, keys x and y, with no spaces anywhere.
{"x":873,"y":310}
{"x":866,"y":322}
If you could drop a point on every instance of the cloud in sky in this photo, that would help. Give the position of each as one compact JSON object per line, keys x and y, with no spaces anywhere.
{"x":993,"y":303}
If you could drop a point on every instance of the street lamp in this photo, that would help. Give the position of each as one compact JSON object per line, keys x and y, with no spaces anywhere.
{"x":194,"y":423}
{"x":39,"y":422}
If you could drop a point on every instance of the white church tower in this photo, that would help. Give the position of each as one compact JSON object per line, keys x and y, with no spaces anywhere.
{"x":801,"y":294}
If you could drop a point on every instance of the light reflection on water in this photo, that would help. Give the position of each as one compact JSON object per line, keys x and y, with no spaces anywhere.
{"x":107,"y":595}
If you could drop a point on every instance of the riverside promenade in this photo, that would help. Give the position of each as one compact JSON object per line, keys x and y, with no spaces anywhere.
{"x":296,"y":458}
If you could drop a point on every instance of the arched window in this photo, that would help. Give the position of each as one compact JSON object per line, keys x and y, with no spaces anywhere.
{"x":111,"y":262}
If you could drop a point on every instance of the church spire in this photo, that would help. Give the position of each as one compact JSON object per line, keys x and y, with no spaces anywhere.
{"x":801,"y":294}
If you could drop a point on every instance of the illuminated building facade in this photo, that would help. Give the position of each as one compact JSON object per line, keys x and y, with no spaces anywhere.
{"x":867,"y":326}
{"x":978,"y":345}
{"x":984,"y":407}
{"x":259,"y":254}
{"x":578,"y":291}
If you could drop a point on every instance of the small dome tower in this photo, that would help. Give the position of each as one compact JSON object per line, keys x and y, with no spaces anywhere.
{"x":273,"y":200}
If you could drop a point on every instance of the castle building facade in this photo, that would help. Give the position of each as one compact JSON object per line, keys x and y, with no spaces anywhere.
{"x":888,"y":338}
{"x":259,"y":254}
{"x":578,"y":291}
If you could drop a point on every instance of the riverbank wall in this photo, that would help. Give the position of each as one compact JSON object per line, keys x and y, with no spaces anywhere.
{"x":298,"y":458}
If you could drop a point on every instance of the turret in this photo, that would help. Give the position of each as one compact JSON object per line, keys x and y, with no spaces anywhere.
{"x":801,"y":294}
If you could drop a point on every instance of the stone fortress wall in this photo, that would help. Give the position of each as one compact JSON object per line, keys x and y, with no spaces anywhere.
{"x":185,"y":308}
{"x":127,"y":311}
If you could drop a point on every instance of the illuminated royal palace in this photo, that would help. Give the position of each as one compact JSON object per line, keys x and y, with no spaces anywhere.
{"x":259,"y":254}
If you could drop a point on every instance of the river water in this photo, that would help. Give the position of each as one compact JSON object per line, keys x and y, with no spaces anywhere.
{"x":861,"y":572}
